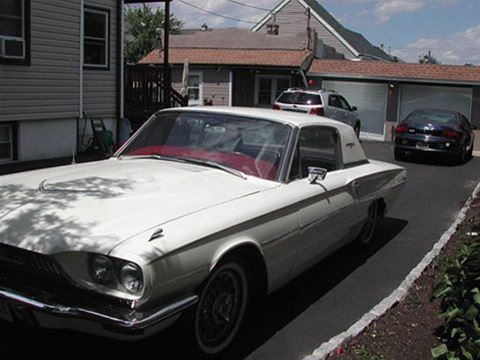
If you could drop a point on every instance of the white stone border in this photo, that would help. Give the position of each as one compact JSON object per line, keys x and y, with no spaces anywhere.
{"x":327,"y":348}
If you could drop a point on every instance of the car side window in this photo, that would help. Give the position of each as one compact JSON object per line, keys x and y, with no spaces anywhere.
{"x":333,"y":101}
{"x":345,"y":104}
{"x":318,"y":146}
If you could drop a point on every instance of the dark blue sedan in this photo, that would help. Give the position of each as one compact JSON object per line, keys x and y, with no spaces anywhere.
{"x":434,"y":131}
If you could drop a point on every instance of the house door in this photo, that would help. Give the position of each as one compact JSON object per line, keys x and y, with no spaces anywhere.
{"x":268,"y":88}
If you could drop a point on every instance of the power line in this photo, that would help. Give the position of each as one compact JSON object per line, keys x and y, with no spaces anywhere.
{"x":217,"y":14}
{"x":248,"y":5}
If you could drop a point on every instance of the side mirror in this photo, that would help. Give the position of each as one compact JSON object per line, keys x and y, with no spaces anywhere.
{"x":316,"y":173}
{"x":354,"y":108}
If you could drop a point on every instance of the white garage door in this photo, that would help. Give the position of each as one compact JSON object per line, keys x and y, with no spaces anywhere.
{"x":437,"y":97}
{"x":371,"y":101}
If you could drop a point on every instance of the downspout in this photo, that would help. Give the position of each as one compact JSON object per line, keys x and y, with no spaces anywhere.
{"x":119,"y":70}
{"x":304,"y":78}
{"x":80,"y":72}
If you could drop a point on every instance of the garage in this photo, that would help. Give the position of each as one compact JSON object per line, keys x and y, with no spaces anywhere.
{"x":438,"y":97}
{"x":371,"y":101}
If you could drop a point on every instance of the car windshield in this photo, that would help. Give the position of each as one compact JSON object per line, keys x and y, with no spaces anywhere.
{"x":300,"y":98}
{"x":432,"y":117}
{"x":247,"y":145}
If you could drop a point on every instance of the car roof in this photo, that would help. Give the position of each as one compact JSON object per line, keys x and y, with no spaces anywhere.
{"x":284,"y":117}
{"x":426,"y":110}
{"x":309,"y":91}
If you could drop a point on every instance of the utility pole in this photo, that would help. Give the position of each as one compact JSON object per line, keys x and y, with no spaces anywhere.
{"x":167,"y":74}
{"x":309,"y":30}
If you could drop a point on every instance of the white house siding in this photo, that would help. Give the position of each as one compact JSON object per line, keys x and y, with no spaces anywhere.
{"x":100,"y":85}
{"x":43,"y":98}
{"x":215,"y":84}
{"x":48,"y":88}
{"x":293,"y":20}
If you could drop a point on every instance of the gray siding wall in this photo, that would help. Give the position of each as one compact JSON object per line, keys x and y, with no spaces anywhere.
{"x":293,"y":20}
{"x":100,"y":85}
{"x":215,"y":83}
{"x":48,"y":89}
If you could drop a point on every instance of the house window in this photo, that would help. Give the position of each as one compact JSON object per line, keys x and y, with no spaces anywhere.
{"x":195,"y":89}
{"x":14,"y":19}
{"x":268,"y":88}
{"x":96,"y":38}
{"x":6,"y":143}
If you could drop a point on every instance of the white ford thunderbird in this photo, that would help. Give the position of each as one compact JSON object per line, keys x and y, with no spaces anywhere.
{"x":201,"y":211}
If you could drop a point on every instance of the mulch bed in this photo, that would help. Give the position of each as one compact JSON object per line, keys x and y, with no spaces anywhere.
{"x":408,"y":330}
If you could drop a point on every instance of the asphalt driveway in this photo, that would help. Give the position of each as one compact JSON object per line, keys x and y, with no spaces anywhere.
{"x":321,"y":303}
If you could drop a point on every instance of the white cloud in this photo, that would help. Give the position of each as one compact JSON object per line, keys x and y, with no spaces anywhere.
{"x":384,"y":10}
{"x":458,"y":48}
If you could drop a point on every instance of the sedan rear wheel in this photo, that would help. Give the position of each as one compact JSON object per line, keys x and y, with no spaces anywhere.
{"x":357,"y":130}
{"x":370,"y":224}
{"x":462,"y":157}
{"x":470,"y":152}
{"x":221,"y":308}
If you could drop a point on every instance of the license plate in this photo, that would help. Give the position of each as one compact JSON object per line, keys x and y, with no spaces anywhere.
{"x":5,"y":311}
{"x":296,"y":110}
{"x":422,"y":145}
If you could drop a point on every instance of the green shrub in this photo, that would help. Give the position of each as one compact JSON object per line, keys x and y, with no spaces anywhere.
{"x":459,"y":291}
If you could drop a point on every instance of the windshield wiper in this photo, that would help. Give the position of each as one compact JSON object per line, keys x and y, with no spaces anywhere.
{"x":214,"y":165}
{"x":150,"y":156}
{"x":192,"y":161}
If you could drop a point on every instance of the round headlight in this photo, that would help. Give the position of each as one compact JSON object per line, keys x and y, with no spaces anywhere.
{"x":103,"y":270}
{"x":131,"y":277}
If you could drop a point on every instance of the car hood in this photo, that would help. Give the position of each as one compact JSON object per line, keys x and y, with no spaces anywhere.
{"x":94,"y":207}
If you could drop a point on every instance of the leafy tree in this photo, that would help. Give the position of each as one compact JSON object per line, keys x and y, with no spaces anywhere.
{"x":428,"y":59}
{"x":141,"y":24}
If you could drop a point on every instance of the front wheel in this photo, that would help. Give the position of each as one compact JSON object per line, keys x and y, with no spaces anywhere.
{"x":368,"y":229}
{"x":221,"y":308}
{"x":399,"y":155}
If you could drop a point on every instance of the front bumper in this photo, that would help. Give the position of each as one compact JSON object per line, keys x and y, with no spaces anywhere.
{"x":125,"y":324}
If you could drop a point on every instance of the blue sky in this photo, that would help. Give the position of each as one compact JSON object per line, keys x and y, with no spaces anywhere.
{"x":449,"y":28}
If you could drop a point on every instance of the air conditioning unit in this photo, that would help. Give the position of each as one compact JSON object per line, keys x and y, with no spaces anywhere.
{"x":12,"y":48}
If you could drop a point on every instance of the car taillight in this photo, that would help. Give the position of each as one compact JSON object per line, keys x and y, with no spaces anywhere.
{"x":317,"y":111}
{"x":276,"y":107}
{"x":401,"y":129}
{"x":451,"y":134}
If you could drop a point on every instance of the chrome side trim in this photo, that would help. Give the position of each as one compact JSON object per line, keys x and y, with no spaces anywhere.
{"x":130,"y":322}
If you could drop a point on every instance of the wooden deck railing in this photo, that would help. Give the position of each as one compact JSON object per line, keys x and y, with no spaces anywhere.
{"x":144,"y":92}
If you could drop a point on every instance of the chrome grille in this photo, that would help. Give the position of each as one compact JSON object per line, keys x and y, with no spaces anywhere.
{"x":41,"y":276}
{"x":20,"y":262}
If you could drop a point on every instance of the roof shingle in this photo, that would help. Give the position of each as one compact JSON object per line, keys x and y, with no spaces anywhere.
{"x":393,"y":70}
{"x":249,"y":57}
